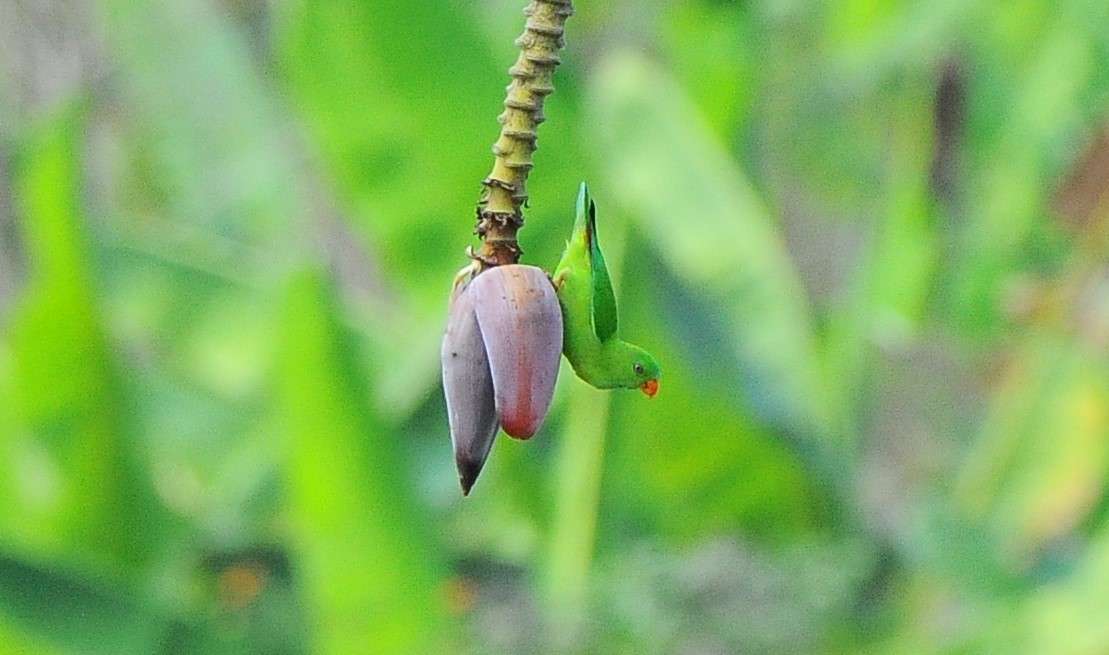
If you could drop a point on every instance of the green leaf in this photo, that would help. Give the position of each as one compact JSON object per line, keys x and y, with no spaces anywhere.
{"x":76,"y":613}
{"x":370,"y":84}
{"x":370,"y":571}
{"x":1037,"y":467}
{"x":72,"y":479}
{"x":663,"y":165}
{"x":894,"y":280}
{"x":1068,"y":617}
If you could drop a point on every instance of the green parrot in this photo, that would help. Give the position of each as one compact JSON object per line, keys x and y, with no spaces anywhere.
{"x":588,"y":303}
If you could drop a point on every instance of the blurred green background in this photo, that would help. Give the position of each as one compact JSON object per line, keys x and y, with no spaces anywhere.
{"x":867,"y":239}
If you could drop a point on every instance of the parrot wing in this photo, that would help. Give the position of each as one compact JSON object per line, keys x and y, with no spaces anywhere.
{"x":605,"y":319}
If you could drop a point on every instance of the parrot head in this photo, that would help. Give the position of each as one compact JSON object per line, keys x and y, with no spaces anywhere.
{"x":641,"y":370}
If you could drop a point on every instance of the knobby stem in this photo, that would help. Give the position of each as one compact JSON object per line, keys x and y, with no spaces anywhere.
{"x":499,"y":210}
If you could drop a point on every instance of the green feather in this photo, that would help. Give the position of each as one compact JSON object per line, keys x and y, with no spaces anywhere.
{"x":589,"y":311}
{"x":605,"y":319}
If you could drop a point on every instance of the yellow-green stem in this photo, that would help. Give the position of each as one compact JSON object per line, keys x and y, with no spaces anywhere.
{"x":577,"y":477}
{"x":579,"y":466}
{"x":499,"y":210}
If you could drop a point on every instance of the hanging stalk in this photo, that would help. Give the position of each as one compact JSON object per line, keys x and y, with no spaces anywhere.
{"x":499,"y":209}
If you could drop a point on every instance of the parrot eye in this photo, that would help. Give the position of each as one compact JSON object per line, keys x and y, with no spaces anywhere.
{"x":638,"y":368}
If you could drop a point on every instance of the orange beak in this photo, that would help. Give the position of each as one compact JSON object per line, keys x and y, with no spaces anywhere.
{"x":650,"y":387}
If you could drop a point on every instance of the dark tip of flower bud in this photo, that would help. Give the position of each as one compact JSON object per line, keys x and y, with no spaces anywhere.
{"x":468,"y":470}
{"x":468,"y":387}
